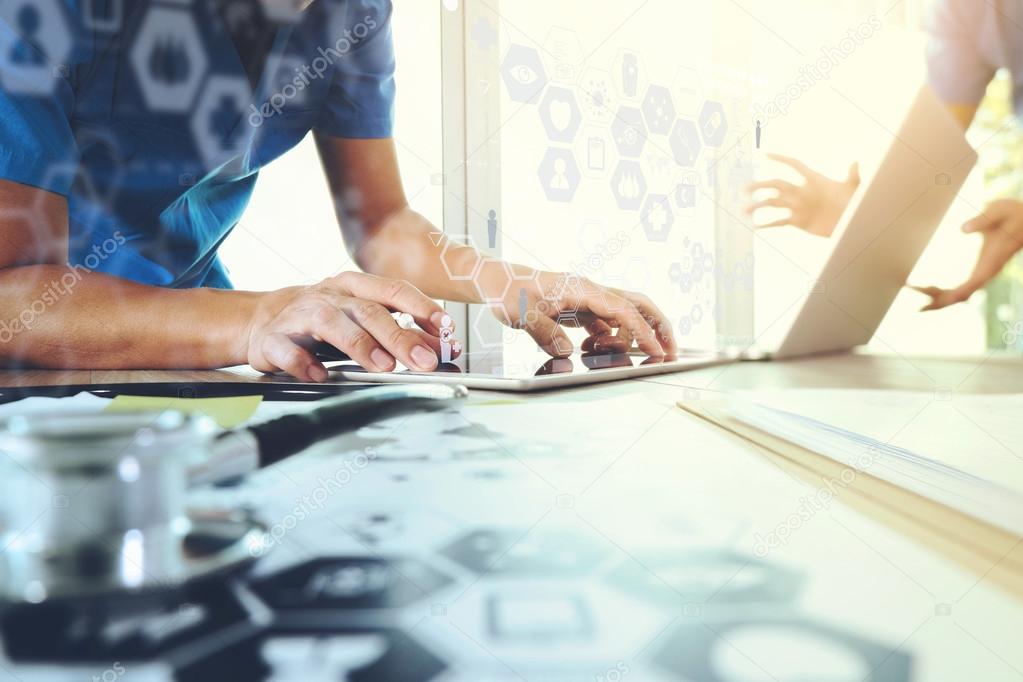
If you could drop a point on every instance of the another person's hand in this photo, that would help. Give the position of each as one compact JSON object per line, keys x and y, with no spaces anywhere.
{"x":543,"y":304}
{"x":1001,"y":227}
{"x":814,"y":206}
{"x":352,"y":312}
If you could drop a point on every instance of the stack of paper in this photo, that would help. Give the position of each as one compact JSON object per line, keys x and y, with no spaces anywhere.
{"x":964,"y":451}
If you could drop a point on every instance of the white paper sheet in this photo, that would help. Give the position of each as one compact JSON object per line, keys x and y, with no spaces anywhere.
{"x":964,"y":450}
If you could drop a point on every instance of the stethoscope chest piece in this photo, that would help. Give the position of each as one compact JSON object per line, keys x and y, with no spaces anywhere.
{"x":97,"y":505}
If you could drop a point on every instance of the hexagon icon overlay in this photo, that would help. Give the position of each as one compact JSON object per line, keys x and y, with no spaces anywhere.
{"x":456,"y":271}
{"x":560,"y":114}
{"x":657,"y":218}
{"x":559,"y":175}
{"x":218,"y":124}
{"x":629,"y":73}
{"x":524,"y":74}
{"x":685,"y":143}
{"x":597,"y":95}
{"x":103,"y":16}
{"x":35,"y":48}
{"x":659,"y":109}
{"x":629,"y":185}
{"x":629,"y":131}
{"x":169,"y":60}
{"x":564,"y":54}
{"x":713,"y":124}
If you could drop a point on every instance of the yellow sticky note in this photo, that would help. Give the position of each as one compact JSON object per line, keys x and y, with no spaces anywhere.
{"x":227,"y":412}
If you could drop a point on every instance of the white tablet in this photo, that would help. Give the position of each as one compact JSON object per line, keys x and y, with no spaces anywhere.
{"x":576,"y":370}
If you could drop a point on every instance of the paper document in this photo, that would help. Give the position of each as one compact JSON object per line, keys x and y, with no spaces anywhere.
{"x":964,"y":451}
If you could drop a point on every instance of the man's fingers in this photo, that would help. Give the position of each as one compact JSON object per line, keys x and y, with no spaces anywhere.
{"x":549,"y":336}
{"x":339,"y":329}
{"x":433,"y":342}
{"x":396,"y":295}
{"x":795,"y":164}
{"x":597,"y":327}
{"x":943,"y":298}
{"x":280,"y":352}
{"x":853,"y":176}
{"x":626,"y":316}
{"x":779,"y":186}
{"x":601,"y":338}
{"x":770,"y":202}
{"x":658,"y":321}
{"x":981,"y":223}
{"x":402,"y":344}
{"x":781,"y":222}
{"x":607,"y":344}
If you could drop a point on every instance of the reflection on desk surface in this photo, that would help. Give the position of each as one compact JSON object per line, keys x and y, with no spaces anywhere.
{"x":544,"y":541}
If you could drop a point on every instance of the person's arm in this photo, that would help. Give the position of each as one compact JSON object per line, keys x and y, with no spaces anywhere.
{"x":959,"y":73}
{"x":815,"y":205}
{"x":54,"y":315}
{"x":387,"y":238}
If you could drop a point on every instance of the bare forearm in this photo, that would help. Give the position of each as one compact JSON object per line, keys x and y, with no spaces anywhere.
{"x":55,"y":317}
{"x":407,"y":246}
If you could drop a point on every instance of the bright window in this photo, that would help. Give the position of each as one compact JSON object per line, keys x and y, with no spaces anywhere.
{"x":625,"y":135}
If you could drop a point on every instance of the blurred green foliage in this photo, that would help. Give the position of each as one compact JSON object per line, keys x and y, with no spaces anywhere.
{"x":1001,"y":158}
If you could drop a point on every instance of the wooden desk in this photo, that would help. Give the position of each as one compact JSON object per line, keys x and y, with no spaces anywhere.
{"x":987,"y":374}
{"x":676,"y":477}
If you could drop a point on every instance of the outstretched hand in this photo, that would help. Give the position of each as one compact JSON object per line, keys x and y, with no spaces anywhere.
{"x":814,"y":206}
{"x":1001,"y":227}
{"x":614,"y":319}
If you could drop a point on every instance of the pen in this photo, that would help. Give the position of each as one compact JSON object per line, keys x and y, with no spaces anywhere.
{"x":242,"y":451}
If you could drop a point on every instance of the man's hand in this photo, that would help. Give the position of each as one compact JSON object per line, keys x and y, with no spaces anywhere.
{"x":1001,"y":227}
{"x":542,"y":304}
{"x":815,"y":206}
{"x":351,"y":312}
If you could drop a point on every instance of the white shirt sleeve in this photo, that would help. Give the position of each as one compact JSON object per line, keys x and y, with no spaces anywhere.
{"x":958,"y":37}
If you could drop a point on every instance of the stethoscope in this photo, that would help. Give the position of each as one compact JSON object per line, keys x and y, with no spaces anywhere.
{"x":121,"y":525}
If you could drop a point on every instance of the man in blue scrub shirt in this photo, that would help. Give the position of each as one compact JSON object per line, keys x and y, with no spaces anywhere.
{"x":968,"y":42}
{"x":131,"y":136}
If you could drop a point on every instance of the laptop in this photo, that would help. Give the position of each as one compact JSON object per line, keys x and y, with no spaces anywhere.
{"x":886,"y":228}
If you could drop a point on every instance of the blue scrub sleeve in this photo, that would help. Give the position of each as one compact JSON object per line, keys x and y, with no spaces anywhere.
{"x":360,"y":103}
{"x":37,"y":145}
{"x":957,"y":68}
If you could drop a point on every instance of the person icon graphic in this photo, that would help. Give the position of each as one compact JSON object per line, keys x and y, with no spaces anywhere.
{"x":447,"y":338}
{"x":492,"y":228}
{"x":630,"y":75}
{"x":759,"y":132}
{"x":523,"y":307}
{"x":27,"y":51}
{"x":559,"y":180}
